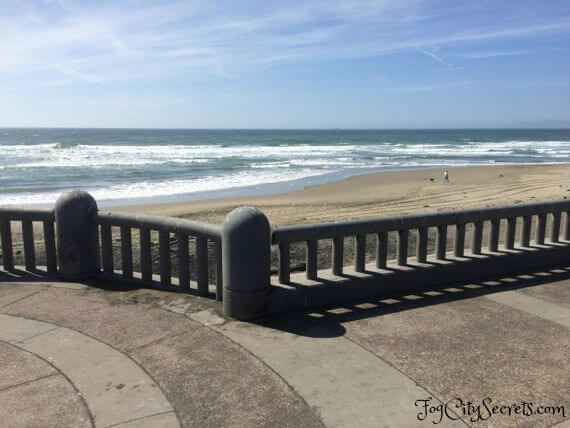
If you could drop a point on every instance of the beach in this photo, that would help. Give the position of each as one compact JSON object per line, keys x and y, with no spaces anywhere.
{"x":120,"y":167}
{"x":384,"y":194}
{"x":388,"y":194}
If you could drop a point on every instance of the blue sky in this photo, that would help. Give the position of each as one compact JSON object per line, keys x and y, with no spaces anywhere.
{"x":284,"y":64}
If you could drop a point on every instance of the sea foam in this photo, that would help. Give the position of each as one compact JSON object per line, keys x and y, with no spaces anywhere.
{"x":37,"y":165}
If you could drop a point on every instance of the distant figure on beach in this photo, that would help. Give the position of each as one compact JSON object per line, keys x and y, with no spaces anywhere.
{"x":445,"y":176}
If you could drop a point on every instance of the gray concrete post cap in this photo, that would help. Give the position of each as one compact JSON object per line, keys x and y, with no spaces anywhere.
{"x":77,"y":235}
{"x":244,"y":217}
{"x":246,"y":258}
{"x":76,"y":198}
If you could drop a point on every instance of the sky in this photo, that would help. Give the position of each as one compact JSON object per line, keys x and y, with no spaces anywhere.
{"x":285,"y":64}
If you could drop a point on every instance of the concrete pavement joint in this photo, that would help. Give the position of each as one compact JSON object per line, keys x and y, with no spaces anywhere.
{"x":139,"y":419}
{"x":159,"y":386}
{"x":58,"y":371}
{"x":299,"y":350}
{"x":153,"y":342}
{"x":404,"y":374}
{"x":20,"y":335}
{"x":24,"y":297}
{"x":533,"y":306}
{"x":35,"y":335}
{"x":247,"y":351}
{"x":103,"y":343}
{"x":98,"y":340}
{"x":329,"y":362}
{"x":28,"y":381}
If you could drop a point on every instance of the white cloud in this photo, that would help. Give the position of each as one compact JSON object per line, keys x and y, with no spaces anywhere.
{"x":493,"y":53}
{"x":427,"y":87}
{"x":105,"y":41}
{"x":434,"y":56}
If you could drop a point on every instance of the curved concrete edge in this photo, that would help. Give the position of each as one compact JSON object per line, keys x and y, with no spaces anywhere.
{"x":342,"y":382}
{"x":115,"y":388}
{"x":33,"y":391}
{"x":20,"y":367}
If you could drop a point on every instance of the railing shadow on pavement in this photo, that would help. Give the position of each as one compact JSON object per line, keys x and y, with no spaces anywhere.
{"x":327,"y":322}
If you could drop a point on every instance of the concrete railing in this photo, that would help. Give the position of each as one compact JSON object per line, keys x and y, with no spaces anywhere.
{"x":311,"y":233}
{"x":85,"y":238}
{"x":182,"y":229}
{"x":316,"y":288}
{"x":82,"y":245}
{"x":26,"y":217}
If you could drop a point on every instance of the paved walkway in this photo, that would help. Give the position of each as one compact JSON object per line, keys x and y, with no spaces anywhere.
{"x":77,"y":355}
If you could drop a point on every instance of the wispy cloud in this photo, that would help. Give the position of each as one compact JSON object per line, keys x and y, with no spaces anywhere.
{"x":434,"y":56}
{"x":493,"y":53}
{"x":415,"y":88}
{"x":107,"y":41}
{"x":74,"y":74}
{"x":427,"y":87}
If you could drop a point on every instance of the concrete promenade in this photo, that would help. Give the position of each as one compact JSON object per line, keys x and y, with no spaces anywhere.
{"x":74,"y":355}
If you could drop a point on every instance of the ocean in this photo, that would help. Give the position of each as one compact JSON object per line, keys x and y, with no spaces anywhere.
{"x":124,"y":166}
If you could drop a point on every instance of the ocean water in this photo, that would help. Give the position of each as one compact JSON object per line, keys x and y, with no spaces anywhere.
{"x":139,"y":166}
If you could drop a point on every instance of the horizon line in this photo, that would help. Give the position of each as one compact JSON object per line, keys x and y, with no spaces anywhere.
{"x":292,"y":128}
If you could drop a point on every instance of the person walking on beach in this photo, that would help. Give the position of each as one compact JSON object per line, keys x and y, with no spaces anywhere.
{"x":445,"y":176}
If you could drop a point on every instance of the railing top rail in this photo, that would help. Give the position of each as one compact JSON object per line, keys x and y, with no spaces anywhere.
{"x":33,"y":214}
{"x":307,"y":232}
{"x":167,"y":224}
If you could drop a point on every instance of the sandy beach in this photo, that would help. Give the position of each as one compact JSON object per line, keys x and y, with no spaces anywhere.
{"x":389,"y":193}
{"x":372,"y":195}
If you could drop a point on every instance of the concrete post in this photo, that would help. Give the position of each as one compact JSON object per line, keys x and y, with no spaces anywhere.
{"x":77,"y":235}
{"x":245,"y":260}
